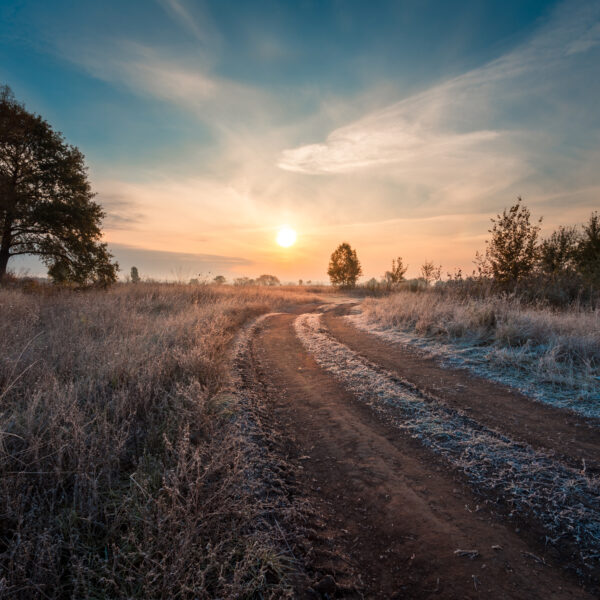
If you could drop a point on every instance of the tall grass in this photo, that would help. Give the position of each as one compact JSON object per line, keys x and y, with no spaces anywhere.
{"x":559,"y":348}
{"x":121,"y":475}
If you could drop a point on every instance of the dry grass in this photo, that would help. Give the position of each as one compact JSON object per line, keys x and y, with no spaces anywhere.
{"x":560,"y":349}
{"x":123,"y":466}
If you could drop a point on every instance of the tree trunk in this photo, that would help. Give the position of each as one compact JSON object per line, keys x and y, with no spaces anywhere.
{"x":5,"y":246}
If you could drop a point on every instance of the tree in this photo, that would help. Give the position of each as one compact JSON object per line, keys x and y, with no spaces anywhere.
{"x":588,"y":250}
{"x":396,"y":275}
{"x":135,"y":276}
{"x":512,"y":252}
{"x":219,"y":280}
{"x":344,"y":266}
{"x":243,"y":281}
{"x":267,"y":280}
{"x":46,"y":202}
{"x":558,"y":252}
{"x":429,"y":272}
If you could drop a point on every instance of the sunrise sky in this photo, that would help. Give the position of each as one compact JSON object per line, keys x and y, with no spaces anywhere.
{"x":400,"y":127}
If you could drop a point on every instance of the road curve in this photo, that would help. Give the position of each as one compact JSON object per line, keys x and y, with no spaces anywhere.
{"x":393,"y":518}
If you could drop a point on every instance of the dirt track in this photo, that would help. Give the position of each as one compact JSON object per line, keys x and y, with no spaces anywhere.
{"x":394,"y":519}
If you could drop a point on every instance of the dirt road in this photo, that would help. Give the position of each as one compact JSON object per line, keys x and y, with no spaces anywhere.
{"x":419,"y":491}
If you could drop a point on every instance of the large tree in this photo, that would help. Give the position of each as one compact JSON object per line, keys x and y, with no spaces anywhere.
{"x":46,"y":202}
{"x":344,"y":266}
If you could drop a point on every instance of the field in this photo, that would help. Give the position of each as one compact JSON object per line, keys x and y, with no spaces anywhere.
{"x":203,"y":441}
{"x":125,"y":470}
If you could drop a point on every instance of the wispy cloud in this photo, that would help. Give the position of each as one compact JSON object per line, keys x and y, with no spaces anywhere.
{"x":186,"y":82}
{"x":473,"y":135}
{"x":121,"y":212}
{"x":181,"y":265}
{"x":199,"y":24}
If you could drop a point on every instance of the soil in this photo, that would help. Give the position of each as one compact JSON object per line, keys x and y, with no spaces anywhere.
{"x":389,"y":518}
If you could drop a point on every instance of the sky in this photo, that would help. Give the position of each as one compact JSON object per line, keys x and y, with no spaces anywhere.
{"x":400,"y":127}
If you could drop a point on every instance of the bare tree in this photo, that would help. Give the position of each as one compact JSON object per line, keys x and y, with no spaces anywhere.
{"x":430,"y":273}
{"x":396,"y":274}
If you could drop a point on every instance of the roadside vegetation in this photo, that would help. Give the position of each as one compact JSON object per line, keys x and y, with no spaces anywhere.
{"x":125,"y":465}
{"x":528,"y":316}
{"x":549,"y":354}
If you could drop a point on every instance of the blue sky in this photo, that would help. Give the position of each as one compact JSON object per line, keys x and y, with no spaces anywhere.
{"x":398,"y":126}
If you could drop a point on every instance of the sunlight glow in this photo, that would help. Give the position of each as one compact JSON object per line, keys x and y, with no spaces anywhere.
{"x":286,"y":236}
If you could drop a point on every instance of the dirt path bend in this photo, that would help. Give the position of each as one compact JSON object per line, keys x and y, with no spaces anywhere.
{"x":572,"y":438}
{"x":393,"y":520}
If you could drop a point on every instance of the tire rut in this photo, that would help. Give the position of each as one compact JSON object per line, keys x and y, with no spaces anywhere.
{"x":389,"y":518}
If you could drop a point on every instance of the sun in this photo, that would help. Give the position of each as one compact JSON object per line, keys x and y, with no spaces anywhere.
{"x":286,"y":236}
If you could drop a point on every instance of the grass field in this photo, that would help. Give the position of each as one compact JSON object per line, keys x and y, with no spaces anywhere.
{"x":122,"y":473}
{"x":144,"y":454}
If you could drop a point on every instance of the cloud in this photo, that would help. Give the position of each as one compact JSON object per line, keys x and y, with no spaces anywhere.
{"x":156,"y":264}
{"x":179,"y":265}
{"x":186,"y":81}
{"x":476,"y":134}
{"x":121,"y":212}
{"x":199,"y":25}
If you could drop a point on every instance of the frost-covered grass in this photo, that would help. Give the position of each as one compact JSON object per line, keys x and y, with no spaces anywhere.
{"x":565,"y":501}
{"x":125,"y":458}
{"x":552,"y":356}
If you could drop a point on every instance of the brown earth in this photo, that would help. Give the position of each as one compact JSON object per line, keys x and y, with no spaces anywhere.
{"x":388,"y":515}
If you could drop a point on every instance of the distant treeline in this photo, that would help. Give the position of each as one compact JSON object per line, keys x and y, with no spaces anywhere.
{"x":559,"y":270}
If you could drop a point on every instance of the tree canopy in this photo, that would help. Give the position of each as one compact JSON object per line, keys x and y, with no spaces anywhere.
{"x":557,"y":253}
{"x":588,"y":250}
{"x":512,"y":251}
{"x":344,"y":266}
{"x":267,"y":280}
{"x":46,"y":202}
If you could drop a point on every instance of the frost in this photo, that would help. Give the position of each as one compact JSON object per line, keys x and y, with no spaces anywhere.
{"x":565,"y":501}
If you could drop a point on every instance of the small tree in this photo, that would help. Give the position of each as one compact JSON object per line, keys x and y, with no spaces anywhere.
{"x":588,"y":250}
{"x":344,"y":266}
{"x":219,"y":280}
{"x":511,"y":253}
{"x":396,"y":274}
{"x":135,"y":276}
{"x":429,"y":272}
{"x":46,"y":203}
{"x":243,"y":281}
{"x":558,"y":252}
{"x":267,"y":280}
